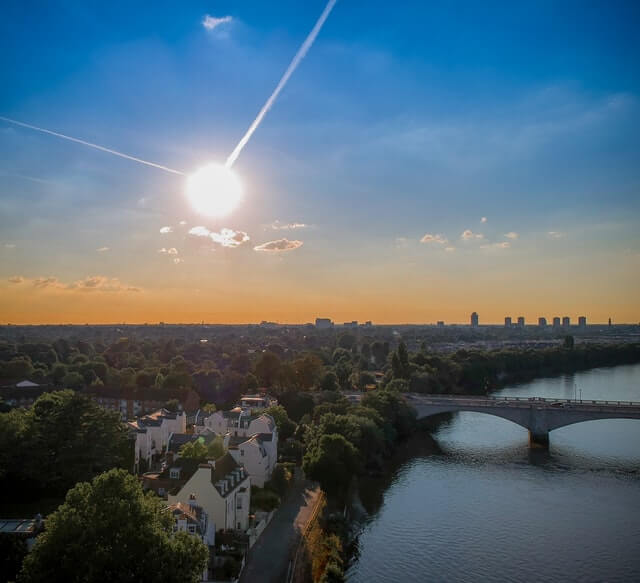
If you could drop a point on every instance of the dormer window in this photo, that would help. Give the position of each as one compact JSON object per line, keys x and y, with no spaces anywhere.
{"x":174,"y":473}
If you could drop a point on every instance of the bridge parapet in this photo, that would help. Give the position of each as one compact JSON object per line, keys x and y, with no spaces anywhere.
{"x":538,"y":415}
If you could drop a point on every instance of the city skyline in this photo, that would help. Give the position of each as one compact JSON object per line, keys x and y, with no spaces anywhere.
{"x":485,"y":165}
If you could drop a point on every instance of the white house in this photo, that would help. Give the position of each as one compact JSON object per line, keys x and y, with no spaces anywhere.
{"x":192,"y":519}
{"x":152,"y":433}
{"x":257,"y":454}
{"x":222,"y":489}
{"x":238,"y":422}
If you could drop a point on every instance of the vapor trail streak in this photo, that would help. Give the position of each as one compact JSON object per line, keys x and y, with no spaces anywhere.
{"x":302,"y":51}
{"x":95,"y":146}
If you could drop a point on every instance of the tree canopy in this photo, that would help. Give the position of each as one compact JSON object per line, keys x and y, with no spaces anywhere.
{"x":109,"y":530}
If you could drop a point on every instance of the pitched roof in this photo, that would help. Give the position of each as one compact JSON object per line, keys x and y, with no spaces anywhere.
{"x":228,"y":471}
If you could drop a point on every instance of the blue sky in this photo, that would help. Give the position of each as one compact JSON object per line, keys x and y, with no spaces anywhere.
{"x":402,"y":121}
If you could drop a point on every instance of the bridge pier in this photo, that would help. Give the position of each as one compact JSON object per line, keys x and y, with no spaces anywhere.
{"x":539,"y":439}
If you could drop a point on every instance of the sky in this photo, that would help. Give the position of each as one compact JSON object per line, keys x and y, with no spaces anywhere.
{"x":424,"y":161}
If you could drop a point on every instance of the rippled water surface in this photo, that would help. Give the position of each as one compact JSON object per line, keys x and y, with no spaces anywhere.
{"x":486,"y":508}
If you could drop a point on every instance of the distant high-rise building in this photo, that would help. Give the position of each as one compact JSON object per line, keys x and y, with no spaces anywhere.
{"x":352,"y":324}
{"x":520,"y":321}
{"x":474,"y":320}
{"x":556,"y":322}
{"x":440,"y":324}
{"x":507,"y":321}
{"x":542,"y":322}
{"x":566,"y":321}
{"x":323,"y":323}
{"x":609,"y":322}
{"x":368,"y":324}
{"x":582,"y":321}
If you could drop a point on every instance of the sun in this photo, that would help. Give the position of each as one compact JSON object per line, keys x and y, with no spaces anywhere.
{"x":214,"y":190}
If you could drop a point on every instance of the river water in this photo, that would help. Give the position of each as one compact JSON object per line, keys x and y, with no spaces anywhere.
{"x":478,"y":505}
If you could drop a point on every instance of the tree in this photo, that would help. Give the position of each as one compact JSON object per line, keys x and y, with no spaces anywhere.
{"x":332,"y":461}
{"x":109,"y":530}
{"x":569,"y":342}
{"x":307,"y":369}
{"x":194,"y":450}
{"x":285,"y":426}
{"x":172,"y":405}
{"x":347,"y":341}
{"x":216,"y":448}
{"x":73,"y":380}
{"x":329,"y":382}
{"x":268,"y":368}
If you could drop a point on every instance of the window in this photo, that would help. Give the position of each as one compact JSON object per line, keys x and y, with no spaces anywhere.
{"x":175,"y":473}
{"x":192,"y":528}
{"x":241,"y":452}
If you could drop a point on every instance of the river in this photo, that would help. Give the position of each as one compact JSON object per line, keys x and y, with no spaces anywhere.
{"x":476,"y":504}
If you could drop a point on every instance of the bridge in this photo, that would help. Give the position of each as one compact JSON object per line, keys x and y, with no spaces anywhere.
{"x":539,"y":416}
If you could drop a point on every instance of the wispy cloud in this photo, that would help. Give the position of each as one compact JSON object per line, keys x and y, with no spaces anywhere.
{"x":511,"y":235}
{"x":92,"y":283}
{"x":402,"y":242}
{"x":102,"y":249}
{"x":449,"y":249}
{"x":278,"y":246}
{"x":166,"y":230}
{"x":429,"y":238}
{"x":177,"y":260}
{"x":170,"y":251}
{"x":468,"y":234}
{"x":279,"y":226}
{"x":555,"y":234}
{"x":501,"y":245}
{"x":225,"y":237}
{"x":9,"y":245}
{"x":211,"y":22}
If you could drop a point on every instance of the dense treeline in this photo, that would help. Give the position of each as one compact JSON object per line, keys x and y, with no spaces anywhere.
{"x":220,"y":371}
{"x":63,"y":439}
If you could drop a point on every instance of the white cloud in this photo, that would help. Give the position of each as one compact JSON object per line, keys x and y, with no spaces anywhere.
{"x":483,"y":220}
{"x":278,"y":246}
{"x":170,"y":251}
{"x":92,"y":283}
{"x":229,"y":237}
{"x":501,"y":245}
{"x":199,"y":231}
{"x":555,"y":234}
{"x":468,"y":234}
{"x":278,"y":226}
{"x":511,"y":235}
{"x":102,"y":249}
{"x":177,"y":260}
{"x":226,"y":237}
{"x":165,"y":230}
{"x":429,"y":238}
{"x":211,"y":22}
{"x":449,"y":249}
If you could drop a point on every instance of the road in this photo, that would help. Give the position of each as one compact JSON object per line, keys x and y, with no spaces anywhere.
{"x":268,"y":560}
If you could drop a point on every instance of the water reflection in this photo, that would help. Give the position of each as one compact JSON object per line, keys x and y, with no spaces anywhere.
{"x":475,"y":503}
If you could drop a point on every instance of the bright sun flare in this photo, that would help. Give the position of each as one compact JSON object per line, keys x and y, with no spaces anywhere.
{"x":214,"y":190}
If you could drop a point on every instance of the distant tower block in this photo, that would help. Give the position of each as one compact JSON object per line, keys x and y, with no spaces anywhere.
{"x":474,"y":320}
{"x":582,"y":322}
{"x":542,"y":322}
{"x":566,"y":322}
{"x":520,"y":321}
{"x":440,"y":324}
{"x":556,"y":322}
{"x":507,"y":322}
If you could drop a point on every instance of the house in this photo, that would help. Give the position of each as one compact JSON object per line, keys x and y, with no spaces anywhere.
{"x":152,"y":433}
{"x":24,"y":528}
{"x":238,"y":422}
{"x":222,"y":488}
{"x":256,"y":402}
{"x":257,"y":454}
{"x":171,"y":478}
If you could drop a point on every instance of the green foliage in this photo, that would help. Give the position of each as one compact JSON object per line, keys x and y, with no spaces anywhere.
{"x":285,"y":426}
{"x":172,"y":405}
{"x":195,"y":450}
{"x":108,"y":530}
{"x":268,"y":368}
{"x":329,"y":382}
{"x":216,"y":448}
{"x":64,"y":438}
{"x":331,"y":460}
{"x":13,"y":550}
{"x":264,"y":499}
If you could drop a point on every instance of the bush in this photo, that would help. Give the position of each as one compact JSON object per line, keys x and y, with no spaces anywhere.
{"x":263,"y":499}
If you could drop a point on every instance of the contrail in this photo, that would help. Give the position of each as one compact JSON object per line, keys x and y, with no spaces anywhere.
{"x":91,"y":145}
{"x":302,"y":51}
